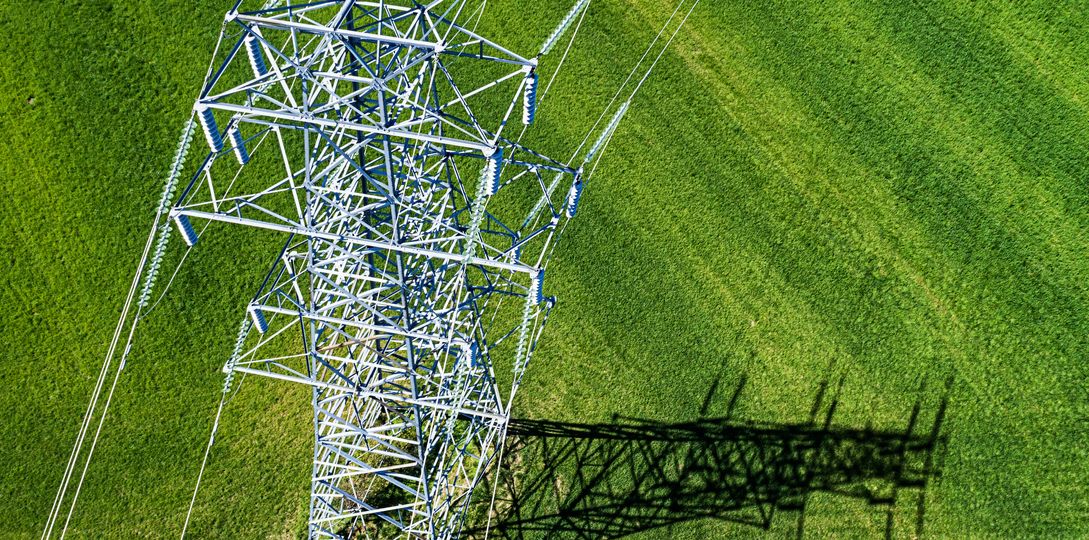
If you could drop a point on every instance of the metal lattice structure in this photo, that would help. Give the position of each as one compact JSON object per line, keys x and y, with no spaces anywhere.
{"x":417,"y":235}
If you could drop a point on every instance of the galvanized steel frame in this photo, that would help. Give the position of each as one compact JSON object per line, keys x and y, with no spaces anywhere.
{"x":417,"y":238}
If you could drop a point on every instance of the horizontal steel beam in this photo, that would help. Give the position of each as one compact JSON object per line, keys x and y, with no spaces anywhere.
{"x":375,"y":395}
{"x":266,"y":22}
{"x":423,"y":252}
{"x":280,"y":24}
{"x":356,"y":324}
{"x":325,"y":122}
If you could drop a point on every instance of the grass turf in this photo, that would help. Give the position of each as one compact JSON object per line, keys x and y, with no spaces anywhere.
{"x":872,"y":192}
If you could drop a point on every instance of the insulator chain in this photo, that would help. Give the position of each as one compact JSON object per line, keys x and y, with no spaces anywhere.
{"x":167,"y":198}
{"x":521,"y":356}
{"x":563,"y":26}
{"x":228,"y":369}
{"x":609,"y":129}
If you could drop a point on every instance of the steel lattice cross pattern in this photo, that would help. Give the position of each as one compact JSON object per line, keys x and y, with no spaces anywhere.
{"x":416,"y":240}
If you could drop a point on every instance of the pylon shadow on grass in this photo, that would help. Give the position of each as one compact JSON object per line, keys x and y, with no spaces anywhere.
{"x":612,"y":480}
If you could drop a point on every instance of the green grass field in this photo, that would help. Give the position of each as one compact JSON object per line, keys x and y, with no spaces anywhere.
{"x":873,"y":195}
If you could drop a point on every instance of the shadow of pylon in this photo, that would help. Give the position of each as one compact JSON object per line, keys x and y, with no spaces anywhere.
{"x":611,"y":480}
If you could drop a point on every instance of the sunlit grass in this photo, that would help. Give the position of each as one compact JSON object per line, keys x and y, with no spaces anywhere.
{"x":877,"y":192}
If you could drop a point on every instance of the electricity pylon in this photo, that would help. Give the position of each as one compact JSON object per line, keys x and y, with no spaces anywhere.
{"x":409,"y":293}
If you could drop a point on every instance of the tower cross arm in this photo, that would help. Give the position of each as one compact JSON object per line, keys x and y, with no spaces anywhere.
{"x":281,"y":24}
{"x":296,"y":116}
{"x":364,"y":242}
{"x":267,"y":22}
{"x":426,"y":403}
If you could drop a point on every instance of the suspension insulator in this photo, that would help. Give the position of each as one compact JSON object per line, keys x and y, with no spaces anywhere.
{"x":239,"y":145}
{"x":492,"y":171}
{"x":189,"y":235}
{"x":566,"y":23}
{"x":211,"y":130}
{"x":529,"y":101}
{"x":608,"y":131}
{"x":257,"y":58}
{"x":536,"y":287}
{"x":472,"y":352}
{"x":573,"y":196}
{"x":258,"y":316}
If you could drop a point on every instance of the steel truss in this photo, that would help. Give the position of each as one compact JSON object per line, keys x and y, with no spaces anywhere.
{"x":412,"y":274}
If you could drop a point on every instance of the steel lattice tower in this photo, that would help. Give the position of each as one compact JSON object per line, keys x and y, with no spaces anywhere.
{"x":417,"y":237}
